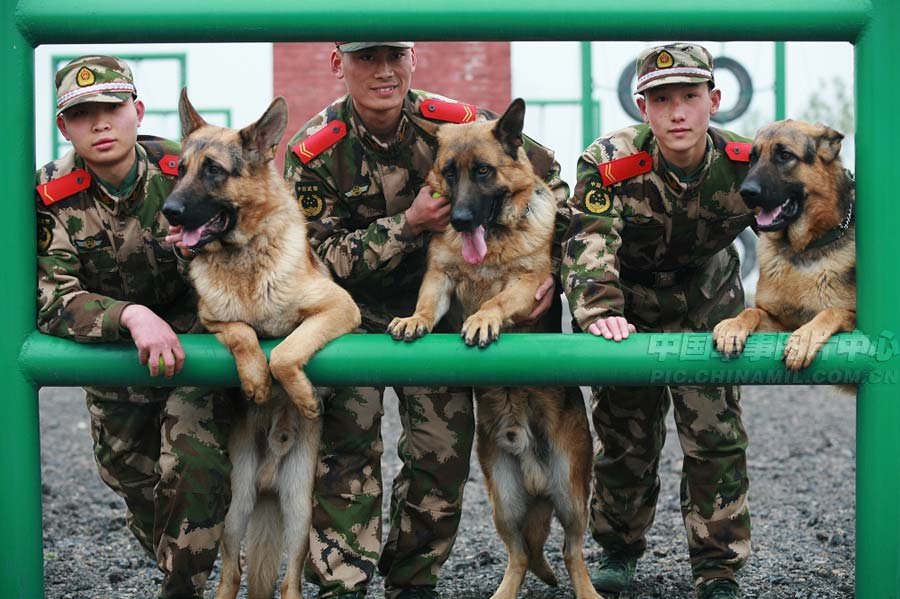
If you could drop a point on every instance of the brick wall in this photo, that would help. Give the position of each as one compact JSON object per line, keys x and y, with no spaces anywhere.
{"x":473,"y":72}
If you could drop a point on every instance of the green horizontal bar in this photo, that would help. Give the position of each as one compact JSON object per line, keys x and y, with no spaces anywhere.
{"x":532,"y":359}
{"x":64,"y":21}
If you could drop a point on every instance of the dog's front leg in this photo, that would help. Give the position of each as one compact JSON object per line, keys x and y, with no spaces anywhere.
{"x":514,"y":302}
{"x":431,"y":305}
{"x":803,"y":345}
{"x":242,"y":342}
{"x":730,"y":335}
{"x":327,"y":321}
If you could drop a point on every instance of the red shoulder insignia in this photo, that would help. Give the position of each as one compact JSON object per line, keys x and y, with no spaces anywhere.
{"x":168,"y":164}
{"x":621,"y":169}
{"x":320,"y":141}
{"x":64,"y":187}
{"x":738,"y":151}
{"x":451,"y":112}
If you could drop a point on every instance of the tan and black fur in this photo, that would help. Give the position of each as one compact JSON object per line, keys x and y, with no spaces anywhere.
{"x":807,"y":254}
{"x":534,"y":444}
{"x":256,"y":276}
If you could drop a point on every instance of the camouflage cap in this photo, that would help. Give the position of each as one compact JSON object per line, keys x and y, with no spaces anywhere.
{"x":357,"y":46}
{"x":673,"y":63}
{"x":93,"y":79}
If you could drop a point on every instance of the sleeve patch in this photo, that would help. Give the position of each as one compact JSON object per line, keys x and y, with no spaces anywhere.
{"x":597,"y":197}
{"x":310,"y":198}
{"x":44,"y":232}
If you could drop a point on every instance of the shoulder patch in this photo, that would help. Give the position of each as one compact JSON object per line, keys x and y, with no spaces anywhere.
{"x":597,"y":197}
{"x":168,"y":164}
{"x":451,"y":112}
{"x":738,"y":151}
{"x":320,"y":141}
{"x":625,"y":168}
{"x":44,"y":232}
{"x":310,"y":198}
{"x":64,"y":187}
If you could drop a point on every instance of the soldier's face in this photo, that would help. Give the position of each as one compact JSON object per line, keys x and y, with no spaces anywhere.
{"x":377,"y":79}
{"x":679,"y":116}
{"x":103,"y":134}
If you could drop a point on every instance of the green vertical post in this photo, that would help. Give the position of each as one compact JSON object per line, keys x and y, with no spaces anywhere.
{"x":587,"y":96}
{"x":878,"y":212}
{"x":780,"y":89}
{"x":20,"y":494}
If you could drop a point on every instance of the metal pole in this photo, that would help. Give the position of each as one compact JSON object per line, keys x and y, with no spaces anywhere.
{"x":587,"y":96}
{"x":61,"y":21}
{"x":780,"y":89}
{"x":20,"y":494}
{"x":877,"y":406}
{"x":525,"y":359}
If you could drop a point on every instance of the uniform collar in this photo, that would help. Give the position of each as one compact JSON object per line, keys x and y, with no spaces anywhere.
{"x":129,"y":198}
{"x":401,"y":138}
{"x":674,"y":176}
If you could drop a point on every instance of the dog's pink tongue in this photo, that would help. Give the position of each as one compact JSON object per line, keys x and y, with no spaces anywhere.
{"x":473,"y":246}
{"x":765,"y":218}
{"x":191,"y":237}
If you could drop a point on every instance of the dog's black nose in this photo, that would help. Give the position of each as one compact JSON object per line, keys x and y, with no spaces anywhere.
{"x":750,"y":191}
{"x":173,"y":209}
{"x":462,"y":219}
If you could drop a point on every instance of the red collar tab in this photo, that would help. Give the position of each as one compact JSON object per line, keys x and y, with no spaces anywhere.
{"x":738,"y":151}
{"x":64,"y":187}
{"x":625,"y":168}
{"x":451,"y":112}
{"x":168,"y":164}
{"x":320,"y":141}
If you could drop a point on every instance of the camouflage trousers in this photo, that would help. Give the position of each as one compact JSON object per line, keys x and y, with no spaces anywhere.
{"x":165,"y":453}
{"x":426,"y":502}
{"x":630,"y":424}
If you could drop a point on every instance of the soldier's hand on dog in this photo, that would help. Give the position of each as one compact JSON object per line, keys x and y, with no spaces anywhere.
{"x":544,"y":298}
{"x":155,"y":340}
{"x":614,"y":327}
{"x":428,"y":213}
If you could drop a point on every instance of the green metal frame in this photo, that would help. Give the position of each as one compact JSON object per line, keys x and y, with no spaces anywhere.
{"x":29,"y":360}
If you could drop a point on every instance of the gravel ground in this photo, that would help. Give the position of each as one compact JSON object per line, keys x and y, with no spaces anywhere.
{"x":802,"y":469}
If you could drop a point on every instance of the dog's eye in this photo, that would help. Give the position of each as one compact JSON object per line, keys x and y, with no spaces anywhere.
{"x":483,"y":170}
{"x":785,"y":156}
{"x":449,"y":172}
{"x":214,"y":169}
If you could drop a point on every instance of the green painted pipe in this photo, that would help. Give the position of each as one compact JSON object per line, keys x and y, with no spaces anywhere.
{"x":21,"y":551}
{"x":531,"y":359}
{"x":62,"y":21}
{"x":878,"y":213}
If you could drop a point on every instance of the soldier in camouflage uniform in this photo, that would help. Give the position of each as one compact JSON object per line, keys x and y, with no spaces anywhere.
{"x":106,"y":274}
{"x":654,"y":214}
{"x":359,"y":170}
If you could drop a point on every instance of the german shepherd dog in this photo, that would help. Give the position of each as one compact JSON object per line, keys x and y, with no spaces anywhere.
{"x":256,"y":276}
{"x":534,"y":444}
{"x":807,"y":252}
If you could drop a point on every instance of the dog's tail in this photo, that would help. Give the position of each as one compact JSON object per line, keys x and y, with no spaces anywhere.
{"x":535,"y":533}
{"x":265,"y":532}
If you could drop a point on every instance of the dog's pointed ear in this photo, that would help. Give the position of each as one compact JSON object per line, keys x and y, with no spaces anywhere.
{"x":508,"y":129}
{"x":190,"y":119}
{"x":261,"y":139}
{"x":828,"y":145}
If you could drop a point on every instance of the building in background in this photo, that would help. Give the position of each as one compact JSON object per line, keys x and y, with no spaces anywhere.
{"x":232,"y":84}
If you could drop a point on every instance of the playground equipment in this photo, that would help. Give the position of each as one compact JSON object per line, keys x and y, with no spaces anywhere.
{"x":30,"y":360}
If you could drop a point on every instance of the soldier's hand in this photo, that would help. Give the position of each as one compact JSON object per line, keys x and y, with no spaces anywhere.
{"x":544,"y":298}
{"x":428,"y":213}
{"x":614,"y":327}
{"x":157,"y":344}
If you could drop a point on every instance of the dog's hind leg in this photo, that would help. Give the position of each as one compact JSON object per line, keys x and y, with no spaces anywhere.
{"x":244,"y":462}
{"x":510,"y":505}
{"x":295,"y":482}
{"x":290,"y":356}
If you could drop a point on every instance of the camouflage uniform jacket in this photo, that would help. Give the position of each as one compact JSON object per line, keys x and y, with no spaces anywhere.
{"x":98,"y":253}
{"x":356,"y":191}
{"x":653,"y":223}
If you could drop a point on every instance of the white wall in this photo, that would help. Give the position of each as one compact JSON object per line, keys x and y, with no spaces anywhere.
{"x":233,"y":76}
